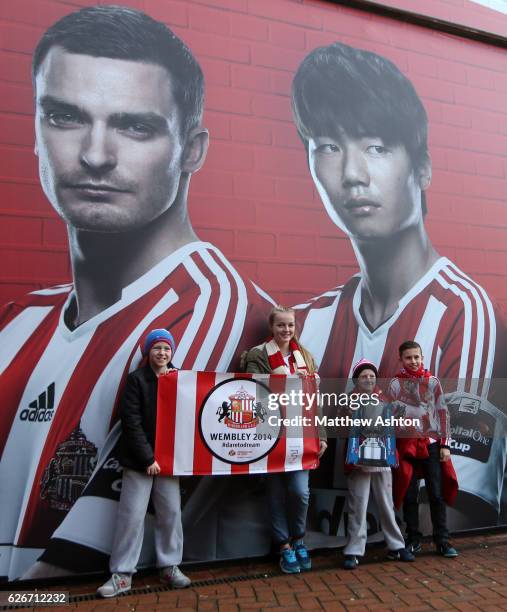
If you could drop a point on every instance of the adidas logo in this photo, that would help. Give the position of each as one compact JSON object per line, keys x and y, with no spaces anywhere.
{"x":41,"y":409}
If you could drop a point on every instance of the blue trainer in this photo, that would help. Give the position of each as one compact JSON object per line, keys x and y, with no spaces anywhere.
{"x":288,"y":561}
{"x":402,"y":554}
{"x":350,"y":562}
{"x":303,"y":557}
{"x":446,"y":550}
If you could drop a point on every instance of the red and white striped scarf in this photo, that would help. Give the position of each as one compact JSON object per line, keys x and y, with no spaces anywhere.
{"x":277,"y":362}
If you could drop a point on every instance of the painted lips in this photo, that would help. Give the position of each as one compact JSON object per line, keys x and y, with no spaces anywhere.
{"x":361,"y":207}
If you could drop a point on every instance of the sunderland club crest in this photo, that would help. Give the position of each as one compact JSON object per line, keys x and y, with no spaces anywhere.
{"x":242,"y":411}
{"x":233,"y":421}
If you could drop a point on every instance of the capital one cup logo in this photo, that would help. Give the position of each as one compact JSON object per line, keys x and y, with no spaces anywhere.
{"x":234,"y":423}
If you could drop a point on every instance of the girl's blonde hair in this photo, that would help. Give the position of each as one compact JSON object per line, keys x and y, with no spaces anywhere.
{"x":279,"y":309}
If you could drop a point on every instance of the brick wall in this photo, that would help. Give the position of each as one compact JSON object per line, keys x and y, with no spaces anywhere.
{"x":254,"y":197}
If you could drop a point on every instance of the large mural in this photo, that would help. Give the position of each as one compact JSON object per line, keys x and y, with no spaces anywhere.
{"x":186,"y":166}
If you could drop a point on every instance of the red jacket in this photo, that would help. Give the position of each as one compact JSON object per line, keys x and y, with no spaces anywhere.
{"x":417,"y":448}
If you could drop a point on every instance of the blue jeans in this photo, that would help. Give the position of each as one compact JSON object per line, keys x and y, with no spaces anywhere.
{"x":288,"y":496}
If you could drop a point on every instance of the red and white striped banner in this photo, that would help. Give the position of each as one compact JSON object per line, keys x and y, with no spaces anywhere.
{"x":212,"y":424}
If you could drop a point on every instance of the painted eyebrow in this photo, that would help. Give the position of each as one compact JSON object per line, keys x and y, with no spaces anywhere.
{"x":51,"y":103}
{"x":158,"y":122}
{"x":154,"y":120}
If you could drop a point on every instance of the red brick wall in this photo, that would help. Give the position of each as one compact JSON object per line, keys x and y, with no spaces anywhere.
{"x":254,"y":198}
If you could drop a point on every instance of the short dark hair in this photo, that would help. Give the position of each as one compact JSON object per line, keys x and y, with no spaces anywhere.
{"x":408,"y":344}
{"x":119,"y":32}
{"x":338,"y":87}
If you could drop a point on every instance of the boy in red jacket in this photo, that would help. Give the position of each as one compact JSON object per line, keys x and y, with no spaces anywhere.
{"x":423,"y":449}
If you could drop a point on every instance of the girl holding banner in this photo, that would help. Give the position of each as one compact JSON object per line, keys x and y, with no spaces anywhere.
{"x":288,"y":492}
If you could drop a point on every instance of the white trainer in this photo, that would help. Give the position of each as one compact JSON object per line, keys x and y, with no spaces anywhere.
{"x":118,"y":583}
{"x":174,"y":577}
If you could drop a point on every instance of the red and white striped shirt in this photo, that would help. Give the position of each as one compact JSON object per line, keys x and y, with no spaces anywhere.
{"x":71,"y":378}
{"x":446,"y":312}
{"x":463,"y":341}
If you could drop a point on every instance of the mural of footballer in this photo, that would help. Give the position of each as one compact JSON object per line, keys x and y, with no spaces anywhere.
{"x":119,"y":103}
{"x":365,"y":132}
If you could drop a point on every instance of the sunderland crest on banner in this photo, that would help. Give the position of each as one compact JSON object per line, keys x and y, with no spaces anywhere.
{"x":242,"y":411}
{"x":237,"y":432}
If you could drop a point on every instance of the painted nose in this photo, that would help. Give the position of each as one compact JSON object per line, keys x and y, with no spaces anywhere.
{"x":355,"y":168}
{"x":97,"y":152}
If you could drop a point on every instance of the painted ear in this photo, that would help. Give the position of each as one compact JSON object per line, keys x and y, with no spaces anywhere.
{"x":425,"y":174}
{"x":195,"y":150}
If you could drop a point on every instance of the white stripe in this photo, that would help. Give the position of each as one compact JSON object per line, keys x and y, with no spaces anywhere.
{"x":488,"y":371}
{"x":331,"y":293}
{"x":479,"y":343}
{"x":437,"y":360}
{"x":368,"y":346}
{"x":262,"y":293}
{"x":217,"y":324}
{"x":260,"y":466}
{"x":184,"y":430}
{"x":53,"y":290}
{"x":220,"y":467}
{"x":198,"y":314}
{"x":479,"y":346}
{"x":14,"y":335}
{"x":294,"y":444}
{"x":240,"y":316}
{"x":318,"y":326}
{"x":428,"y":328}
{"x":467,"y":330}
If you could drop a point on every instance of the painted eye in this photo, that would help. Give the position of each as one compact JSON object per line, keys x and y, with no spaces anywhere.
{"x":138,"y":129}
{"x":328,"y":148}
{"x":377,"y":150}
{"x":64,"y":120}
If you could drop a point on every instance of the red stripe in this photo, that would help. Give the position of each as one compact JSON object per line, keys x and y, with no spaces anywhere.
{"x":276,"y":459}
{"x":310,"y":432}
{"x":203,"y":459}
{"x":166,"y":422}
{"x":342,"y":340}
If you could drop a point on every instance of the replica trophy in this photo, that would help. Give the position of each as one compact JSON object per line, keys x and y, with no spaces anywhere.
{"x":371,"y":444}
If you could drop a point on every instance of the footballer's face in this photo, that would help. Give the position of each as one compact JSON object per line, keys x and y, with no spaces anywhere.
{"x":370,"y":190}
{"x":411,"y":359}
{"x":108,"y":140}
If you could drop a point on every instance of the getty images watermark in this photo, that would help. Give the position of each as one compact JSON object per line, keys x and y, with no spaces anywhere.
{"x":351,"y":401}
